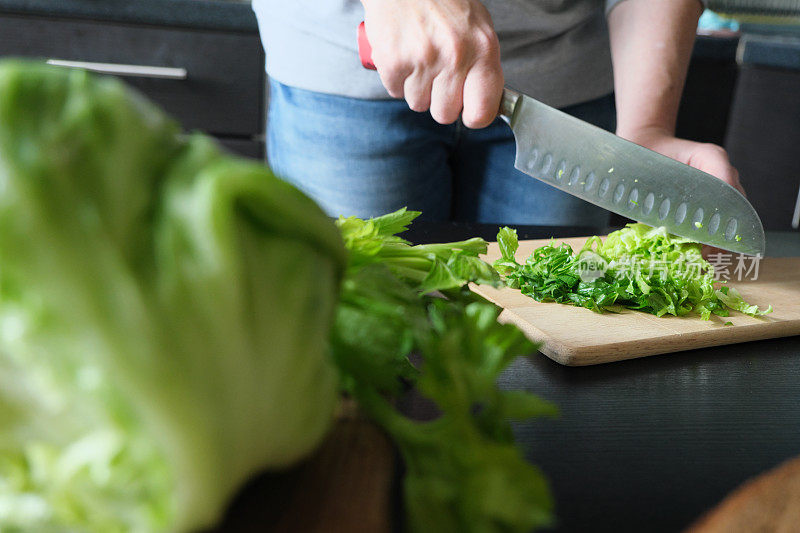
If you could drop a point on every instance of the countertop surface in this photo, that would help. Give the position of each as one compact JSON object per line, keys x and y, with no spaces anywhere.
{"x":199,"y":14}
{"x":651,"y":444}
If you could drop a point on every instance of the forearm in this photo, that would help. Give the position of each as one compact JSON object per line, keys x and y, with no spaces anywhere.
{"x":651,"y":43}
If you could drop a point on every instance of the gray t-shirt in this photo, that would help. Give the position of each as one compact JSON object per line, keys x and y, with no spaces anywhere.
{"x":554,"y":50}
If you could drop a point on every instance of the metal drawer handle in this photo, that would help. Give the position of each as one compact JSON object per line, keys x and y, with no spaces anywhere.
{"x":138,"y":71}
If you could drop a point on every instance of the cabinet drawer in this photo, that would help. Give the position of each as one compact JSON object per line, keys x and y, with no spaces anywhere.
{"x":224,"y":85}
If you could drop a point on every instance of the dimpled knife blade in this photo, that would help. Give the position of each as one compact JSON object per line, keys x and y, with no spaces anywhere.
{"x":628,"y":179}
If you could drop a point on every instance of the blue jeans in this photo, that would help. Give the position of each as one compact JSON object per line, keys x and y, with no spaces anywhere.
{"x":369,"y":157}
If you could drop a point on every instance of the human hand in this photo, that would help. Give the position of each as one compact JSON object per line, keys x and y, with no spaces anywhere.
{"x":707,"y":157}
{"x":439,"y":55}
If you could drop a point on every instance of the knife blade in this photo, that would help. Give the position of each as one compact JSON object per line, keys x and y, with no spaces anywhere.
{"x":620,"y":176}
{"x":628,"y":179}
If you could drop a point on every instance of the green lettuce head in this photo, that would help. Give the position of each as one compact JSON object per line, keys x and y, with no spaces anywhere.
{"x":164,"y":313}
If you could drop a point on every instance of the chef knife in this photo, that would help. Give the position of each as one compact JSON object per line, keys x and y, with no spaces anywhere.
{"x":620,"y":176}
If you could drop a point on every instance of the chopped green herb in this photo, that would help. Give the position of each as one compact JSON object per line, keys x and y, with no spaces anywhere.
{"x":637,"y":267}
{"x":738,"y":238}
{"x":698,"y":225}
{"x":728,"y":323}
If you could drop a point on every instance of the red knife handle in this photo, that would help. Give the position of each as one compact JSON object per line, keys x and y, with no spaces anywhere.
{"x":364,"y":48}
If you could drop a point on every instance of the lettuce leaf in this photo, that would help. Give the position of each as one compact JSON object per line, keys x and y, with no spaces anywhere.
{"x":164,"y":313}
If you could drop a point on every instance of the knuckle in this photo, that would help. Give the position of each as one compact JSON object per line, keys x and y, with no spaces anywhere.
{"x":394,"y":83}
{"x":470,"y":123}
{"x":389,"y":65}
{"x":426,"y":54}
{"x":476,"y":118}
{"x":453,"y":49}
{"x":394,"y":88}
{"x":417,"y":103}
{"x":444,"y":115}
{"x":714,"y":150}
{"x":486,"y":43}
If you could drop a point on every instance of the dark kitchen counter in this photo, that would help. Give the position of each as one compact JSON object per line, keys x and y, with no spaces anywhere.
{"x":200,"y":14}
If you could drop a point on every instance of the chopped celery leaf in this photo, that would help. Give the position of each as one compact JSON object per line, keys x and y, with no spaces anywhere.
{"x":637,"y":267}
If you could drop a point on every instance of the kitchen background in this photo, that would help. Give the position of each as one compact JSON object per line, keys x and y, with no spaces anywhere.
{"x":742,"y":92}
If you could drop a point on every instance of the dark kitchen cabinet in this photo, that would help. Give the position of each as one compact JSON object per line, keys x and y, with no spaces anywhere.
{"x":764,"y":128}
{"x":708,"y":93}
{"x":217,"y":81}
{"x":743,"y":92}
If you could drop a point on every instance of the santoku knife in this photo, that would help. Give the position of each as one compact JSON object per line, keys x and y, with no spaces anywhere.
{"x":623,"y":177}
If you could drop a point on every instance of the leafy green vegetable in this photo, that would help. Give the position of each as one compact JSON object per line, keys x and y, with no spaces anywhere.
{"x":436,"y":267}
{"x":637,"y":267}
{"x":731,"y":298}
{"x":163,"y":313}
{"x":463,"y":471}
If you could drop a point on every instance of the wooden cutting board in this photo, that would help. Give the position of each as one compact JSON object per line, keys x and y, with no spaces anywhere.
{"x":576,"y":336}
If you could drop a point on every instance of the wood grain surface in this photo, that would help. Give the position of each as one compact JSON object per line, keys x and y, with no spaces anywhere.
{"x":577,"y":336}
{"x":347,"y":485}
{"x":768,"y":503}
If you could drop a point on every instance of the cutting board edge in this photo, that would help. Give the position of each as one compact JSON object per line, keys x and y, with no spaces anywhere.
{"x":574,"y":355}
{"x":548,"y":346}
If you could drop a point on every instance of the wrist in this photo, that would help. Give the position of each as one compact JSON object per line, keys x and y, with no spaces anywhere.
{"x":645,"y":133}
{"x":659,"y":139}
